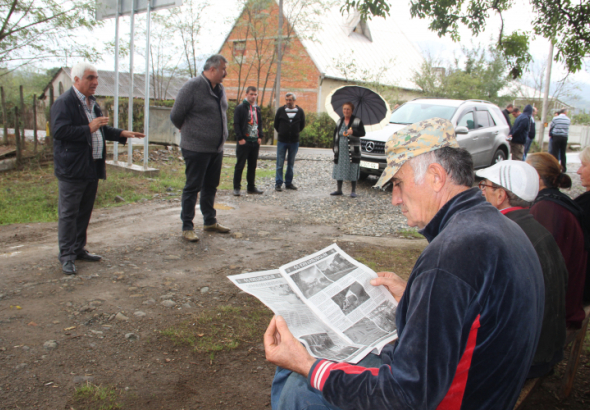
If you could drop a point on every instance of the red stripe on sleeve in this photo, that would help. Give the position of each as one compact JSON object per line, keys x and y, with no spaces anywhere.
{"x":323,"y":369}
{"x":454,"y":397}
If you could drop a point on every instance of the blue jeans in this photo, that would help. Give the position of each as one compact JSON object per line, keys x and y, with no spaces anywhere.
{"x":527,"y":146}
{"x":290,"y":391}
{"x":288,"y":149}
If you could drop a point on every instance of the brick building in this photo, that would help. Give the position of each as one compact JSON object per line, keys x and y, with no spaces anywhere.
{"x":334,"y":51}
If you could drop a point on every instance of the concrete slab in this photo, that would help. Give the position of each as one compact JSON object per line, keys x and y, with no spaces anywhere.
{"x":7,"y":164}
{"x":149,"y":172}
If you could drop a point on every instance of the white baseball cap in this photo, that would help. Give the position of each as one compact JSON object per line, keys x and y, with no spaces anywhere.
{"x":517,"y":177}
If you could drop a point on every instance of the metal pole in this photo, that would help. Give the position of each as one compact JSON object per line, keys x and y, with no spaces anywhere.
{"x":116,"y":99}
{"x":546,"y":95}
{"x":4,"y":117}
{"x":146,"y":113}
{"x":22,"y":114}
{"x":130,"y":113}
{"x":280,"y":57}
{"x":35,"y":122}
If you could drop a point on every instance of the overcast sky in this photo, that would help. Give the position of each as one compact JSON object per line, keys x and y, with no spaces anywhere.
{"x":222,"y":13}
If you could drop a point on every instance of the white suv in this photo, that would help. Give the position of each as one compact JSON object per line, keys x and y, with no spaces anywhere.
{"x":479,"y":125}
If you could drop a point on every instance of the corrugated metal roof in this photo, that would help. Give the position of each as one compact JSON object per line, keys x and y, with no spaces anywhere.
{"x":377,"y":51}
{"x":106,"y":85}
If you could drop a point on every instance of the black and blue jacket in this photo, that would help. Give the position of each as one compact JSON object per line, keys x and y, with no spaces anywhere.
{"x":468,"y":322}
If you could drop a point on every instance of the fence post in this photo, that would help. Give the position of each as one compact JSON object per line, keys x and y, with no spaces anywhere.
{"x":22,"y":114}
{"x":16,"y":136}
{"x":49,"y":135}
{"x":35,"y":122}
{"x":4,"y":117}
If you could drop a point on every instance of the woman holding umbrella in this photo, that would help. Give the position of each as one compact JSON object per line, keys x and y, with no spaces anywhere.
{"x":347,"y":149}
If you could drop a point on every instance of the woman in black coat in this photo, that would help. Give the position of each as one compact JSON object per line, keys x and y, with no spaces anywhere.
{"x":347,"y":149}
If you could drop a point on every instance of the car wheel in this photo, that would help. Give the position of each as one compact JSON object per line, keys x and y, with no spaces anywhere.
{"x":363,"y":176}
{"x":499,"y":156}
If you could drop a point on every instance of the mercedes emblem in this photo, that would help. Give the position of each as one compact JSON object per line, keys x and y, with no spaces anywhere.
{"x":370,"y":146}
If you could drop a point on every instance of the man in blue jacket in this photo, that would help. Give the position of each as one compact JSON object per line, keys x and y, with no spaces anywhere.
{"x":520,"y":133}
{"x":79,"y":132}
{"x":469,"y":317}
{"x":558,"y":132}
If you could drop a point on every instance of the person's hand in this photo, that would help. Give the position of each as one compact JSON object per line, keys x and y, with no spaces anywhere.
{"x":509,"y":138}
{"x":242,"y":142}
{"x":132,"y":134}
{"x":394,"y":284}
{"x":349,"y":131}
{"x":283,"y":349}
{"x":98,"y":122}
{"x":259,"y":141}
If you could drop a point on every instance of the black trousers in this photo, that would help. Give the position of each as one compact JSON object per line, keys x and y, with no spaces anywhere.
{"x":76,"y":200}
{"x":203,"y":171}
{"x":558,"y":150}
{"x":247,"y":152}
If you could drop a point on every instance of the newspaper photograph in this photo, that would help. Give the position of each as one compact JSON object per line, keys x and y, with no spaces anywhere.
{"x":328,"y":303}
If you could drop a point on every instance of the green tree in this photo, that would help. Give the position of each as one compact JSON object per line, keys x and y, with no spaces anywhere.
{"x":38,"y":29}
{"x":481,"y":76}
{"x":564,"y":22}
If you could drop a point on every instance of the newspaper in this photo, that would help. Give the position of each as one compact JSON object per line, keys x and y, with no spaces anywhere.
{"x":329,"y":304}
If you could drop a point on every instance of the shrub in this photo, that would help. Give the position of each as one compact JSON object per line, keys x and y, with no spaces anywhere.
{"x":318,"y":131}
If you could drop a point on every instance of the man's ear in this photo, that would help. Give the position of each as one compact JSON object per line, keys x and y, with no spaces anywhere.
{"x":501,"y":195}
{"x":437,"y":176}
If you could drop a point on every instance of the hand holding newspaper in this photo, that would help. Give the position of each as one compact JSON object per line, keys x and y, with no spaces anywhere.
{"x":329,"y":304}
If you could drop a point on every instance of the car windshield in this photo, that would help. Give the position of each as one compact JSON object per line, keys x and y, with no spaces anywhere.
{"x":413,"y":112}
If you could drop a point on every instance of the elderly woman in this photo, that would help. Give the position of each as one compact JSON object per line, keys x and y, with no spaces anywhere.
{"x":561,"y":216}
{"x":584,"y":202}
{"x":347,"y":149}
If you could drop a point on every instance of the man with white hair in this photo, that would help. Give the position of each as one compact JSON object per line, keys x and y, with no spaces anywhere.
{"x":289,"y":122}
{"x":511,"y":187}
{"x":468,"y":318}
{"x":79,"y":131}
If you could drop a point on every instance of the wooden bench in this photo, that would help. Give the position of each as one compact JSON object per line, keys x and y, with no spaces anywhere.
{"x":576,"y":339}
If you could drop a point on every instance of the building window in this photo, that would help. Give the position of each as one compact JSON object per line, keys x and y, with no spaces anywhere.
{"x":60,"y":88}
{"x":238,"y":51}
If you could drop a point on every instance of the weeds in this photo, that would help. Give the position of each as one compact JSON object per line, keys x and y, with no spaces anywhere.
{"x":97,"y":397}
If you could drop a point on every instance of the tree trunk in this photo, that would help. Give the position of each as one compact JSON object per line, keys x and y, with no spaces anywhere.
{"x":4,"y":117}
{"x":16,"y":136}
{"x":35,"y":122}
{"x":22,"y":113}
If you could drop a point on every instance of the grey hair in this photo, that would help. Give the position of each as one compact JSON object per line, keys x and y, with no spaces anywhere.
{"x":290,"y":94}
{"x":457,"y":162}
{"x":585,"y":155}
{"x":562,"y":111}
{"x":513,"y":199}
{"x":214,"y":61}
{"x":79,"y":69}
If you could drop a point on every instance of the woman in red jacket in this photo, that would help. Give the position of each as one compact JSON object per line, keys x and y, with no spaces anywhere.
{"x":561,"y":216}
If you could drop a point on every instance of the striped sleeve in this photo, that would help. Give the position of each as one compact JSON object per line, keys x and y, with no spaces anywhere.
{"x":320,"y":371}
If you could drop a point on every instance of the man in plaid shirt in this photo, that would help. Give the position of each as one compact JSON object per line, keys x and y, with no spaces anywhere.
{"x":79,"y":132}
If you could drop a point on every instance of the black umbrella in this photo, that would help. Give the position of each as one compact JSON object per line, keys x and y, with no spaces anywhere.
{"x":369,"y":106}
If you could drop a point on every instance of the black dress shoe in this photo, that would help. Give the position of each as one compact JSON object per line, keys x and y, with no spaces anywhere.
{"x":291,"y":186}
{"x":69,"y":268}
{"x":86,"y":256}
{"x":255,"y":191}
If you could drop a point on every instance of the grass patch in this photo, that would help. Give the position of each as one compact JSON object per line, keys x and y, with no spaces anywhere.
{"x":399,"y":261}
{"x":410,"y":234}
{"x":222,"y":328}
{"x":31,"y":194}
{"x":96,"y":397}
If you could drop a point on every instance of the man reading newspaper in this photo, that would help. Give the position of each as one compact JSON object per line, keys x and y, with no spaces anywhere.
{"x":468,"y":318}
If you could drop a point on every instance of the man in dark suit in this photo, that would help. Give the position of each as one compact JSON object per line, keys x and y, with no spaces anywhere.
{"x":79,"y":132}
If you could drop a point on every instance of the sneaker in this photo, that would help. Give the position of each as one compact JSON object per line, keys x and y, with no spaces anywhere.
{"x":237,"y":192}
{"x":278,"y":188}
{"x":190,"y":236}
{"x":353,"y":194}
{"x":216,"y":227}
{"x":291,"y":186}
{"x":336,"y":193}
{"x":255,"y":191}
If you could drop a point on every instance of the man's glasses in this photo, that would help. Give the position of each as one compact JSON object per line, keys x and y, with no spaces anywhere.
{"x":483,"y":186}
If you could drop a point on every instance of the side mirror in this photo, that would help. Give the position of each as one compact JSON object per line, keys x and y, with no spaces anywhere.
{"x":461,"y":130}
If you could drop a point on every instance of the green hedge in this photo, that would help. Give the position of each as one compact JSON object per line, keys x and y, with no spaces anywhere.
{"x":318,"y":131}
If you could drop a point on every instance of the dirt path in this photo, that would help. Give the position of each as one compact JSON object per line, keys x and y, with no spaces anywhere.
{"x":103,"y":325}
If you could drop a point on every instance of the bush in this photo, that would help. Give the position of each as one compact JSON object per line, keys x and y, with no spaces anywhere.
{"x":318,"y":131}
{"x":268,"y":117}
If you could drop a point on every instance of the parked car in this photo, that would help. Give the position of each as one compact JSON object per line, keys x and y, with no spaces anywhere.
{"x":479,"y":125}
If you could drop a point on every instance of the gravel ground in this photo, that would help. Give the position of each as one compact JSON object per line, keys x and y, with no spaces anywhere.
{"x":370,"y":214}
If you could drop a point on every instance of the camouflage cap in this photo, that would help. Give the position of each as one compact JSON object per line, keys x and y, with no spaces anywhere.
{"x":413,"y":140}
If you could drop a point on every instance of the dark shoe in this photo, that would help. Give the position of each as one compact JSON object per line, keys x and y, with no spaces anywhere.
{"x":69,"y":268}
{"x":216,"y":228}
{"x":86,"y":256}
{"x":353,"y":194}
{"x":255,"y":191}
{"x":291,"y":186}
{"x":278,"y":188}
{"x":336,"y":193}
{"x":237,"y":192}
